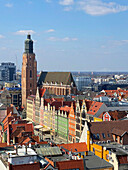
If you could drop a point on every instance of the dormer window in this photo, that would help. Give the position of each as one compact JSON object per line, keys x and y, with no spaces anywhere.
{"x":103,"y":135}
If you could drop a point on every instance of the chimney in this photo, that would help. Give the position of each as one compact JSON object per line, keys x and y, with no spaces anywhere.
{"x":25,"y":149}
{"x":17,"y":149}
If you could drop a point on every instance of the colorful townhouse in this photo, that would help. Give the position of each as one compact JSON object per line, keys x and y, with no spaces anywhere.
{"x":35,"y":107}
{"x":14,"y":130}
{"x":108,"y":140}
{"x":12,"y":115}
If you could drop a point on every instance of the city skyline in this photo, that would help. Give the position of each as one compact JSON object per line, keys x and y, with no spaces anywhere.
{"x":69,"y":35}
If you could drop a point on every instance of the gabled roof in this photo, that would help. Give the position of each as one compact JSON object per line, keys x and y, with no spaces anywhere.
{"x":115,"y":115}
{"x":118,"y":132}
{"x":18,"y":131}
{"x":105,"y":129}
{"x":28,"y":127}
{"x":56,"y":77}
{"x":94,"y":108}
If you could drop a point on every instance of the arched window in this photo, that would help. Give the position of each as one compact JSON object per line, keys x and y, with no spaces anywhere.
{"x":30,"y":73}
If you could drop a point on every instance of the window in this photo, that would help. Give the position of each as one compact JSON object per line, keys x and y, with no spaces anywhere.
{"x":108,"y":135}
{"x":107,"y":157}
{"x":120,"y":140}
{"x":94,"y":136}
{"x":30,"y":73}
{"x":83,"y":115}
{"x":83,"y":122}
{"x":103,"y":135}
{"x":98,"y":136}
{"x":14,"y":96}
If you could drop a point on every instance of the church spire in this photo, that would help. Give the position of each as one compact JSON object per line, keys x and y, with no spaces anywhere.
{"x":28,"y":45}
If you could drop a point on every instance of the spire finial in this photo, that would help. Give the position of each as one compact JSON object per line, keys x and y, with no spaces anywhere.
{"x":29,"y":36}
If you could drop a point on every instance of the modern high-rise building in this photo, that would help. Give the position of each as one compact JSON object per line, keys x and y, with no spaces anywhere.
{"x":29,"y":71}
{"x":7,"y":71}
{"x":82,"y":82}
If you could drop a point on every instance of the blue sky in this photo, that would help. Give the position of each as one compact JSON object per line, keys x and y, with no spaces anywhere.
{"x":69,"y":35}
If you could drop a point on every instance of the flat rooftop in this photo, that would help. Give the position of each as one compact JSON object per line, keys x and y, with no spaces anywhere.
{"x":22,"y":152}
{"x":94,"y":162}
{"x":116,"y":148}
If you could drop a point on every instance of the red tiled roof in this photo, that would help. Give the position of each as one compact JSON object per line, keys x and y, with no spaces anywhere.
{"x":100,"y":95}
{"x":119,"y":92}
{"x":65,"y":108}
{"x":59,"y":99}
{"x":17,"y":131}
{"x":75,"y":147}
{"x":28,"y":127}
{"x":41,"y":92}
{"x":94,"y":107}
{"x":115,"y":115}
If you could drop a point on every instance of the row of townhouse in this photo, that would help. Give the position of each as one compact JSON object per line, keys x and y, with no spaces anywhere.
{"x":63,"y":118}
{"x":67,"y":118}
{"x":108,"y":140}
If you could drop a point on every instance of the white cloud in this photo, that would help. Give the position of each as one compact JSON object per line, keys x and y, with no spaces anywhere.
{"x":66,"y":2}
{"x":69,"y":8}
{"x":9,"y":5}
{"x":25,"y":32}
{"x":3,"y":48}
{"x":98,"y":7}
{"x":120,"y":42}
{"x":74,"y":39}
{"x":53,"y":39}
{"x":50,"y":30}
{"x":65,"y":39}
{"x":1,"y":36}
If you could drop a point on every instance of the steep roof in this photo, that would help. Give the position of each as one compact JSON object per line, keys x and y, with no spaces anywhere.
{"x":94,"y":108}
{"x":118,"y":132}
{"x":56,"y":77}
{"x":42,"y":92}
{"x":104,"y":129}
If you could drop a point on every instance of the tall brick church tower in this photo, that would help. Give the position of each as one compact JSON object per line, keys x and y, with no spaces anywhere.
{"x":29,"y":71}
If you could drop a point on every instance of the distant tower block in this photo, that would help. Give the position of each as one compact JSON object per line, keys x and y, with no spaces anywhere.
{"x":29,"y":71}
